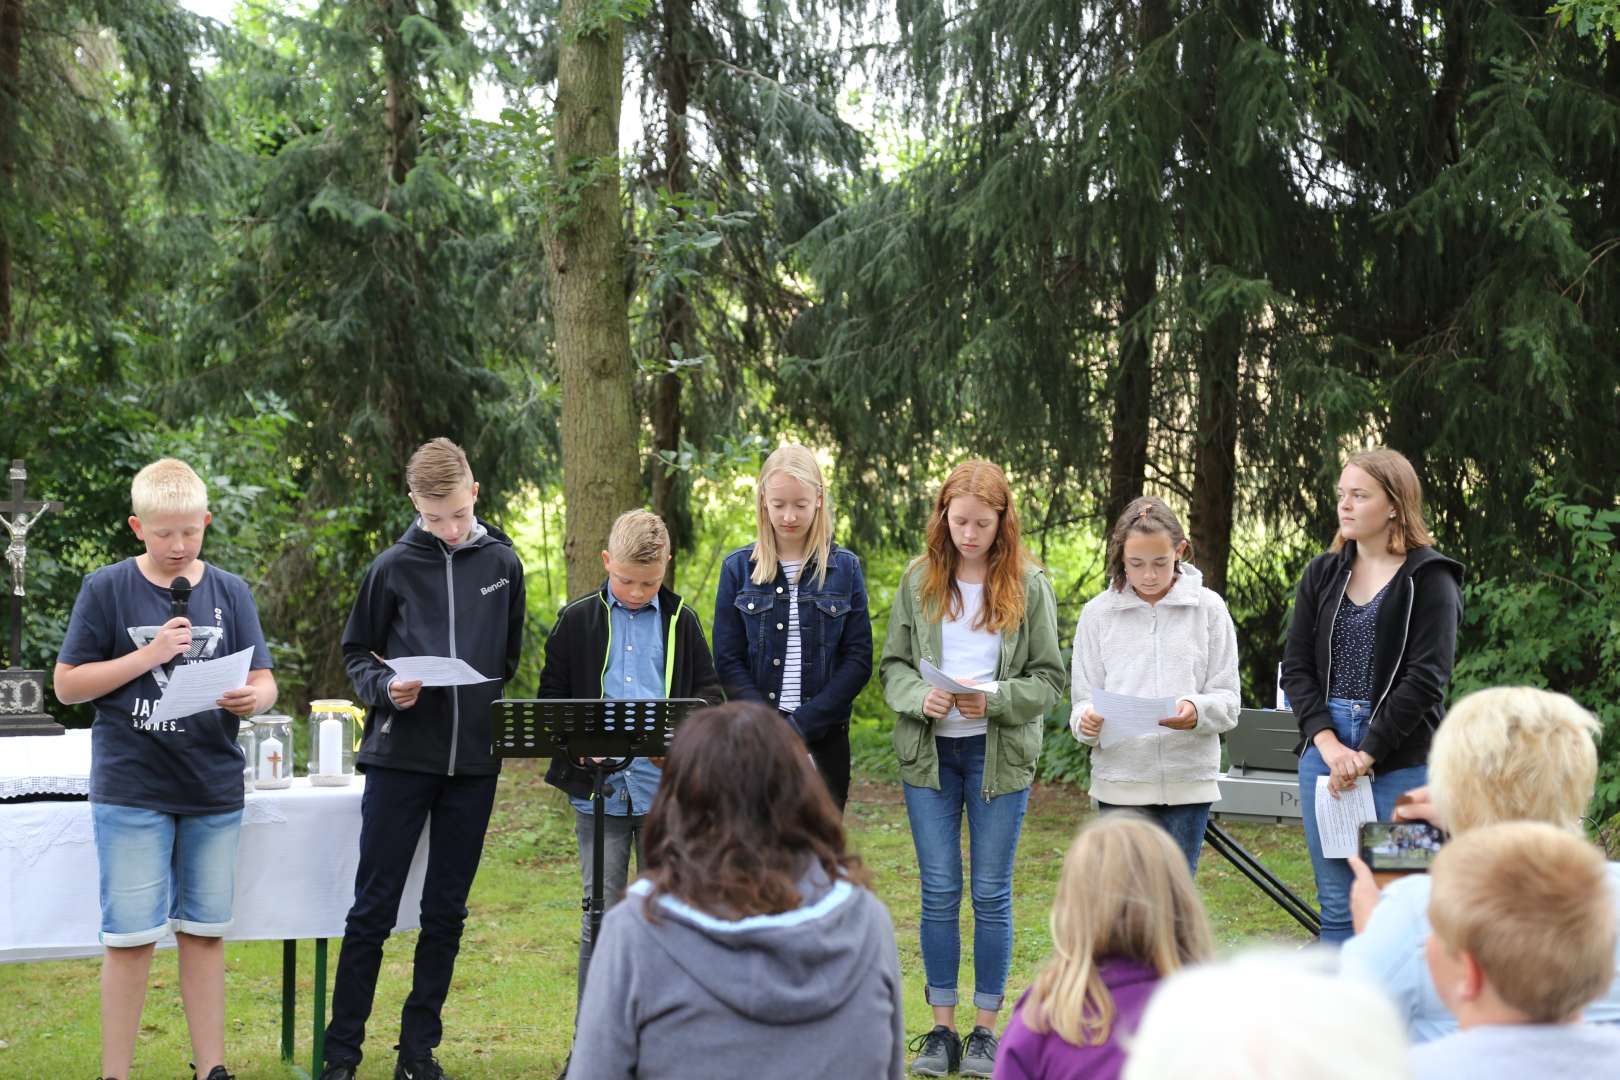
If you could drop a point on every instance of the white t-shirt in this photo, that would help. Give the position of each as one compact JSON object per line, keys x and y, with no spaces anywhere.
{"x":793,"y":662}
{"x":967,"y":654}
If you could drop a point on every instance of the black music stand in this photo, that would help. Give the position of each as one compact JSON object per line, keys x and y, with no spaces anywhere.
{"x":581,"y":728}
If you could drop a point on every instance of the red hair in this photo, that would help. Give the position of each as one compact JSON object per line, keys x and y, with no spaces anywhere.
{"x":1003,"y":605}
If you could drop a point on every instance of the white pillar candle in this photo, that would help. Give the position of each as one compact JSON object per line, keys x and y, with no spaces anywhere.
{"x":331,"y":752}
{"x":272,"y":765}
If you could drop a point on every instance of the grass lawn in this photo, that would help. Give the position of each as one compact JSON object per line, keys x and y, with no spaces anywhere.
{"x":511,"y":1009}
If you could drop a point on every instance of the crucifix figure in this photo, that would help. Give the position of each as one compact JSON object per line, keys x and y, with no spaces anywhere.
{"x":17,"y":550}
{"x":24,"y":515}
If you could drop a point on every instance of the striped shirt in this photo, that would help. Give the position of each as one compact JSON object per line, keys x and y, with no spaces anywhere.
{"x":793,"y":662}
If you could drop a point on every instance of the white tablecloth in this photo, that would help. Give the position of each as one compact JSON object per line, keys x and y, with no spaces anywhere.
{"x":294,"y":872}
{"x":45,"y":764}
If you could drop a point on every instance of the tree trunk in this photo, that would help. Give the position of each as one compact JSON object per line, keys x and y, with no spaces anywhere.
{"x":1133,"y":397}
{"x":1133,"y":385}
{"x":1220,"y":341}
{"x":402,"y":115}
{"x":1215,"y":463}
{"x":675,"y":315}
{"x":585,"y":253}
{"x":11,"y":29}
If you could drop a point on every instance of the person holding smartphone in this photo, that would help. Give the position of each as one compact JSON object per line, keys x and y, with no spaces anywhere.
{"x":1507,"y":754}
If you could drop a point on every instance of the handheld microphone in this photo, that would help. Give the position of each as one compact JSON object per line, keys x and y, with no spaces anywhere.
{"x":179,"y":602}
{"x":179,"y":597}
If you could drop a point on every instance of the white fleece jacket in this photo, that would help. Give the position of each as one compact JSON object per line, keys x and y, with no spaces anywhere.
{"x":1185,"y":646}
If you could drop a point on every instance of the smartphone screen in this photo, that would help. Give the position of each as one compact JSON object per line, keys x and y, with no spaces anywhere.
{"x":1400,"y":847}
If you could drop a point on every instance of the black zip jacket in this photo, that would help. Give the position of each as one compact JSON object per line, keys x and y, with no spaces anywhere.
{"x":576,"y":660}
{"x":422,"y":598}
{"x":1415,"y":641}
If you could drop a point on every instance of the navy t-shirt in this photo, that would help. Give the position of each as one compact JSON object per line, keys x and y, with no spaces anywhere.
{"x":186,"y":766}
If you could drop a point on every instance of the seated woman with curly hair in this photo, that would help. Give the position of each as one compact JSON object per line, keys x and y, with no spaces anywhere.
{"x":757,"y":947}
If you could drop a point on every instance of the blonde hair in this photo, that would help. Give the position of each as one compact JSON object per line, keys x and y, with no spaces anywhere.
{"x":1125,"y":892}
{"x":1400,"y":483}
{"x":638,"y":536}
{"x":1514,"y":753}
{"x":1003,"y":605}
{"x":1531,"y":903}
{"x":799,"y":463}
{"x":168,"y":486}
{"x":438,"y":469}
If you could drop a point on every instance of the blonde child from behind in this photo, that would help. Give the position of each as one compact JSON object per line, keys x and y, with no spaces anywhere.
{"x":1125,"y":916}
{"x":1523,"y":940}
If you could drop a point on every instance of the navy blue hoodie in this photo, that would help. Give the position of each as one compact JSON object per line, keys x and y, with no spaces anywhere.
{"x":423,"y":598}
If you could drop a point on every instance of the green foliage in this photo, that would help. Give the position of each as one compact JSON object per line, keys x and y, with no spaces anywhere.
{"x":596,"y":16}
{"x":1557,"y":625}
{"x":286,"y":250}
{"x":1595,"y":19}
{"x":1063,"y":760}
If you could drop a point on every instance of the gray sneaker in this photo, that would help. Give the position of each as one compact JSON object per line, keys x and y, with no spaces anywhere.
{"x":938,"y":1052}
{"x":979,"y":1052}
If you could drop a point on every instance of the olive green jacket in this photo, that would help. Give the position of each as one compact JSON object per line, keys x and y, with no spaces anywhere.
{"x":1029,"y":681}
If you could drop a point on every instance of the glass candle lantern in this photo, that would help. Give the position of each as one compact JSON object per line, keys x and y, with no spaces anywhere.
{"x":274,"y":752}
{"x":248,"y":739}
{"x":333,"y":724}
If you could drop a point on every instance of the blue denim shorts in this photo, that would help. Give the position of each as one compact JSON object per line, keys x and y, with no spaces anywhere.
{"x":161,"y":871}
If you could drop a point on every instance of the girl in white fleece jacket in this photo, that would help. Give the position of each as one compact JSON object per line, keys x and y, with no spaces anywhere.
{"x":1156,"y":632}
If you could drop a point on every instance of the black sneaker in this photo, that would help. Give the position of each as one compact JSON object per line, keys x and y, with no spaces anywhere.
{"x":337,"y":1070}
{"x":216,"y":1073}
{"x":423,"y":1068}
{"x":939,"y":1052}
{"x":979,"y":1052}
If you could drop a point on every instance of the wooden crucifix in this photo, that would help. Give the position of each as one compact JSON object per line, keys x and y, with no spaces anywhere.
{"x":22,"y":692}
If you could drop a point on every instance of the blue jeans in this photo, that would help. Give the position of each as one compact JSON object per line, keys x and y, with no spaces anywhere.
{"x":163,"y":870}
{"x":1184,"y":823}
{"x":1333,"y":876}
{"x":936,"y":830}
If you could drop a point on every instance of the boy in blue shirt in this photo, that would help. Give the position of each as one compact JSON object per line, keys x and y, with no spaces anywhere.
{"x":1523,"y":938}
{"x":450,"y":586}
{"x":631,"y":639}
{"x":165,"y":796}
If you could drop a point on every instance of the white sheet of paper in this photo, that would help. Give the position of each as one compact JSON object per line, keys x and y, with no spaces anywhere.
{"x":941,"y":681}
{"x":1338,"y":821}
{"x":437,"y":670}
{"x":1126,"y":716}
{"x":194,"y":688}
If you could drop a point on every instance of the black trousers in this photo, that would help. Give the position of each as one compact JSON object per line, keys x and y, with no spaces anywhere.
{"x":393,"y":809}
{"x":831,"y":755}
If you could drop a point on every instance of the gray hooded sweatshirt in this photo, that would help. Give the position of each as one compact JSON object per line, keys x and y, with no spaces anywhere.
{"x":813,"y":992}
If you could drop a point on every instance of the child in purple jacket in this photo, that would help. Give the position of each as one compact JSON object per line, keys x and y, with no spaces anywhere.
{"x":1125,"y":916}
